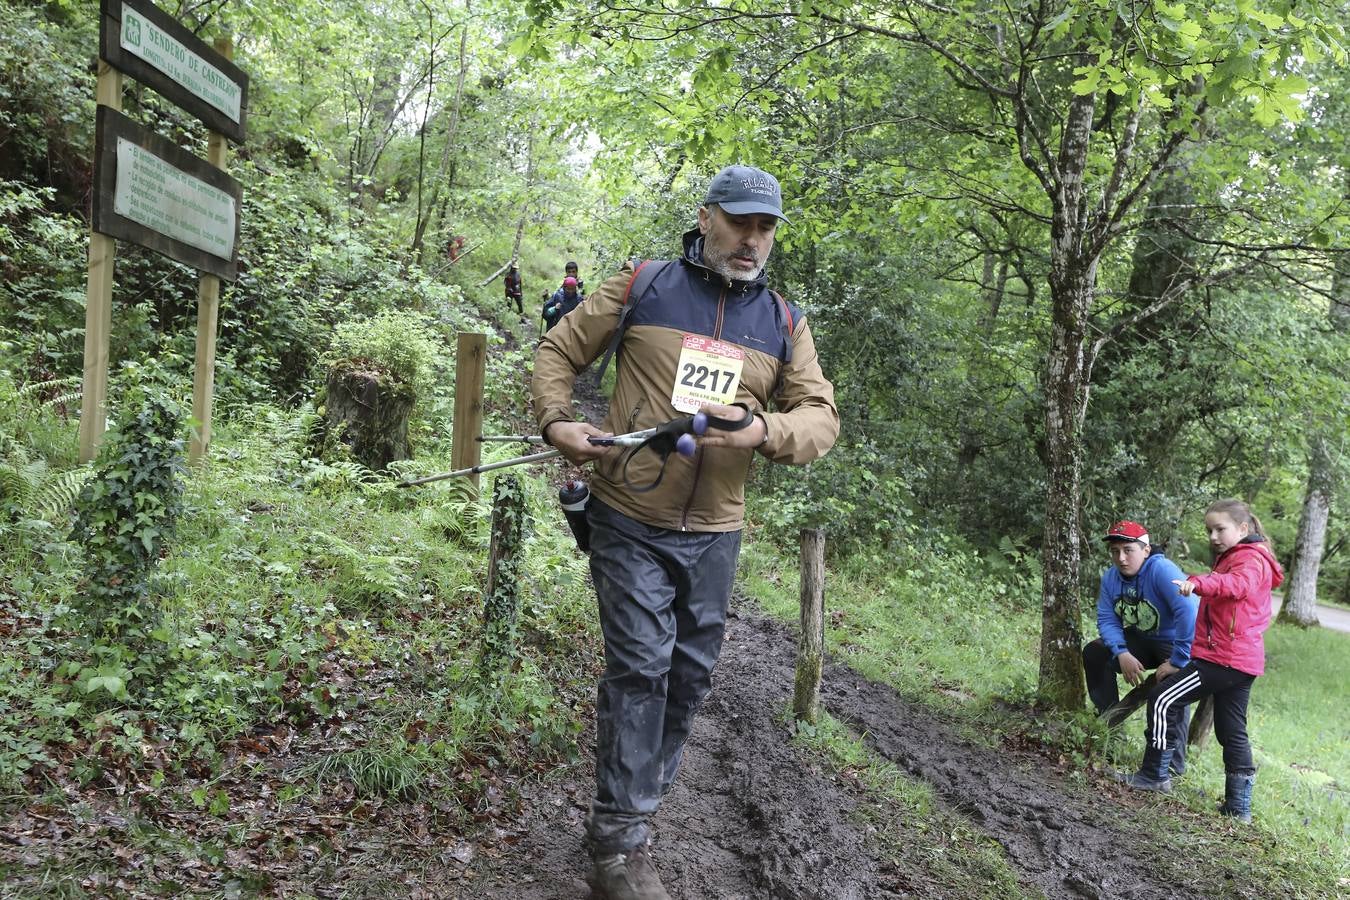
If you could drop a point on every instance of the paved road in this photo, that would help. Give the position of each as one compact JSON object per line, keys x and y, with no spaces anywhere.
{"x":1336,"y":618}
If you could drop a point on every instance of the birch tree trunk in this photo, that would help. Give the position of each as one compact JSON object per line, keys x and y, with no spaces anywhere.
{"x":1300,"y":602}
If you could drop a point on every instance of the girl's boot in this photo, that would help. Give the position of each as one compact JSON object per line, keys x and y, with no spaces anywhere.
{"x":1237,"y":801}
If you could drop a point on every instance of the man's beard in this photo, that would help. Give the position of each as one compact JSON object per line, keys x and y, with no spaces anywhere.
{"x":722,"y":265}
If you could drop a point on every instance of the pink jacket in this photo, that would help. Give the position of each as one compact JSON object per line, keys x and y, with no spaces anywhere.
{"x":1235,"y":607}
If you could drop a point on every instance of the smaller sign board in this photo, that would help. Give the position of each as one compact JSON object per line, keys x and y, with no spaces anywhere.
{"x":152,"y":192}
{"x":140,"y":39}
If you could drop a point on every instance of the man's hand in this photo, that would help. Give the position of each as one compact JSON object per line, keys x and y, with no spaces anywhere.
{"x":747,"y":438}
{"x":1131,"y":668}
{"x":1166,"y":670}
{"x":571,"y":439}
{"x":1186,"y":587}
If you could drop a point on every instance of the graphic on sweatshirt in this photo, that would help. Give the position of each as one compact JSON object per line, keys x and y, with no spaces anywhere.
{"x":1136,"y":612}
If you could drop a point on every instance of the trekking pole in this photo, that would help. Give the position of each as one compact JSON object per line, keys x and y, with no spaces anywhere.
{"x":632,"y":439}
{"x":510,"y":438}
{"x":485,"y":467}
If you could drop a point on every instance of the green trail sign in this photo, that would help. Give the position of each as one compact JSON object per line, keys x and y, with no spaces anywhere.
{"x":138,"y":38}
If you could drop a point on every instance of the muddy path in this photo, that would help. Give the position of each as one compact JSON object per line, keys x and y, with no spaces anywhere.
{"x":752,"y":816}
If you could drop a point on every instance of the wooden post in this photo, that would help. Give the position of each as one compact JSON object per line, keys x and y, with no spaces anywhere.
{"x":811,"y":649}
{"x":470,"y":366}
{"x":208,"y":313}
{"x":1124,"y":708}
{"x":501,"y":602}
{"x":98,"y":304}
{"x":1202,"y":723}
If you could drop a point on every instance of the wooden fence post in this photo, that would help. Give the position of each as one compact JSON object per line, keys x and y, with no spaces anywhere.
{"x":470,"y":368}
{"x":98,"y":304}
{"x":208,"y":313}
{"x":811,"y":649}
{"x":501,"y":602}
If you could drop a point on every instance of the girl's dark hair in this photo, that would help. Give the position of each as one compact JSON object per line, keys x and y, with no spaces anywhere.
{"x":1239,"y":512}
{"x":569,"y":265}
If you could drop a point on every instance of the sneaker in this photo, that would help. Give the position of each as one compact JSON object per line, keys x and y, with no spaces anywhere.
{"x":1144,"y":783}
{"x":627,"y":876}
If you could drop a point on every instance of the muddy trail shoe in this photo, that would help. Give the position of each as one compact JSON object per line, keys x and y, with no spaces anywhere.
{"x":627,"y":876}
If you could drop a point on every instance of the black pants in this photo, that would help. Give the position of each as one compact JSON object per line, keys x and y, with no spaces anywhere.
{"x":1231,"y":690}
{"x":1101,"y":667}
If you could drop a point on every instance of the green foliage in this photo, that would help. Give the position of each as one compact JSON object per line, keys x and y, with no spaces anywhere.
{"x":126,"y":514}
{"x":46,"y":94}
{"x":42,"y":283}
{"x":858,"y":491}
{"x":398,"y":343}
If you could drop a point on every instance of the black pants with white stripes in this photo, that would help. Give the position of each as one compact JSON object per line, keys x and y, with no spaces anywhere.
{"x":1230,"y":688}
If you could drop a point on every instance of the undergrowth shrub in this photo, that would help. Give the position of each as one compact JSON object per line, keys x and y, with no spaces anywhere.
{"x":855,"y":489}
{"x":126,"y":513}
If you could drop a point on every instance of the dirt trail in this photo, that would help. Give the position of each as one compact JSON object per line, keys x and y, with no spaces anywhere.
{"x":751,"y":817}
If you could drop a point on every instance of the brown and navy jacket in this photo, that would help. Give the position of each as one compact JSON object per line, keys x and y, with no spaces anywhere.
{"x":705,"y":492}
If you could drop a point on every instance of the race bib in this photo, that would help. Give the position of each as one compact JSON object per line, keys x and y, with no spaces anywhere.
{"x":709,"y":371}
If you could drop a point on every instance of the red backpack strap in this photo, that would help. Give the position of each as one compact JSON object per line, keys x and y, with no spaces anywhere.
{"x":644,"y":272}
{"x":787,"y":318}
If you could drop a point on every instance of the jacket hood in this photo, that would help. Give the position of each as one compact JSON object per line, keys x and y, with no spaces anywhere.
{"x":1255,"y":543}
{"x":693,"y":257}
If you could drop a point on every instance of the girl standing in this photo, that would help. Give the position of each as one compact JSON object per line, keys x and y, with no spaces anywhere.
{"x":1227,"y":654}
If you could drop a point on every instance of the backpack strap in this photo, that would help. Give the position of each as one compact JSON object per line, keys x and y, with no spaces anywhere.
{"x":785,"y":313}
{"x":644,"y":272}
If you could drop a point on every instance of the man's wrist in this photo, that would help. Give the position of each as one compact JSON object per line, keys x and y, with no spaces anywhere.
{"x":764,"y":440}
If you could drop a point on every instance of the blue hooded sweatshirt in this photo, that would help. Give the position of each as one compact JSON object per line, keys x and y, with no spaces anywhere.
{"x":1150,"y":604}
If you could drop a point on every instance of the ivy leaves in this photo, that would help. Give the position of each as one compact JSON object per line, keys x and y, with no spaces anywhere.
{"x":125,"y":515}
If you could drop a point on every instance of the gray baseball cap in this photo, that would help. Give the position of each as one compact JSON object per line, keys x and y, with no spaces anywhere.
{"x":745,"y":190}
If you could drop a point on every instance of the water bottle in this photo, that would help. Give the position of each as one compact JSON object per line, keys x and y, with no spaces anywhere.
{"x":574,"y":495}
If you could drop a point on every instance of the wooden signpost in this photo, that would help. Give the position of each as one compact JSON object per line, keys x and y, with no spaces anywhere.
{"x":811,"y":645}
{"x":151,"y":192}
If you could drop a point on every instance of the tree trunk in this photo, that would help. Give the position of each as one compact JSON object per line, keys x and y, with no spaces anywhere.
{"x":1300,"y":599}
{"x":1073,"y":274}
{"x":1061,"y":669}
{"x":1300,"y":602}
{"x":451,"y":134}
{"x":369,"y":413}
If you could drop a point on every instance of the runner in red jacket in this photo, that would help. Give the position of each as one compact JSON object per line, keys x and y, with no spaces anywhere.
{"x":1227,"y":654}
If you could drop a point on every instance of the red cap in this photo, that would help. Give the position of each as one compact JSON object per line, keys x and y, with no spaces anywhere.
{"x":1125,"y":530}
{"x":569,"y":281}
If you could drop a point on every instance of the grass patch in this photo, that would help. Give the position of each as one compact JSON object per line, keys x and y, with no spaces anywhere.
{"x":933,"y":851}
{"x":398,"y":771}
{"x":320,"y":628}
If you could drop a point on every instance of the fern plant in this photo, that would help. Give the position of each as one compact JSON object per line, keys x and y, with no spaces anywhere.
{"x":30,"y":490}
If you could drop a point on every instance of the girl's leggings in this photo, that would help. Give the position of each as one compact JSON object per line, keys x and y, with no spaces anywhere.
{"x":1230,"y":689}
